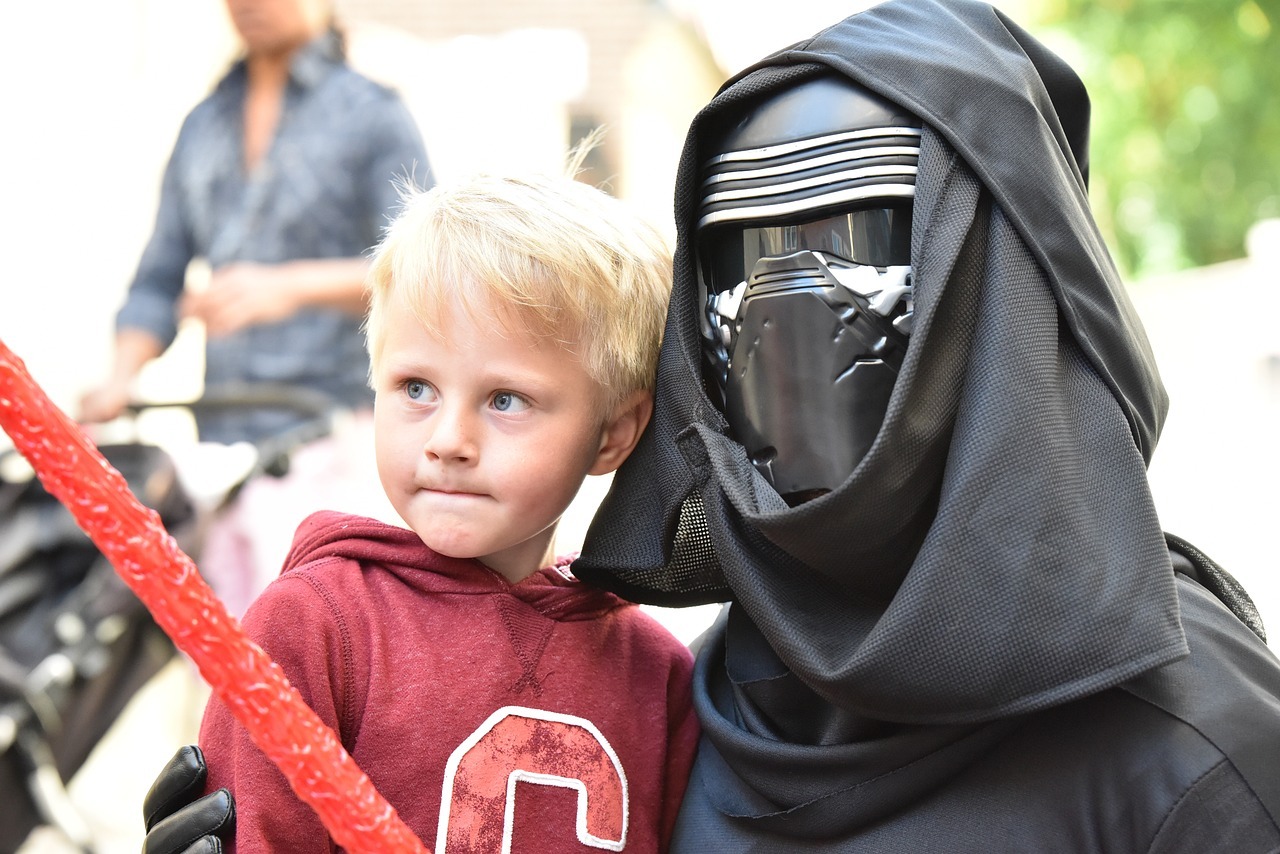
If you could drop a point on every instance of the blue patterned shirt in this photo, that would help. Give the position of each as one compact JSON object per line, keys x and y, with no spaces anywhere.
{"x":324,"y":189}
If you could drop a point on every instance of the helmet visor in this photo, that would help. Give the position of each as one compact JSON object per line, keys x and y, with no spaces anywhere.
{"x":876,"y":237}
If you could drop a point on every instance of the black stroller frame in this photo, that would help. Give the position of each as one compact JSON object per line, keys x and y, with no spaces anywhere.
{"x":75,"y":643}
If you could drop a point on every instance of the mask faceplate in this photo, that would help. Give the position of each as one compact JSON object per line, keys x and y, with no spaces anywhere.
{"x":807,"y":351}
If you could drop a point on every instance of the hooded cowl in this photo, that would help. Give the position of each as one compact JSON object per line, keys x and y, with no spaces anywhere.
{"x":997,"y":551}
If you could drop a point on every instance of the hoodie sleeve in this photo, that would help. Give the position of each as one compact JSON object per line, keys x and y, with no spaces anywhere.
{"x":301,"y":629}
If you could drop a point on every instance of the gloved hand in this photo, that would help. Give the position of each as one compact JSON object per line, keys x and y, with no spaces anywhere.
{"x":178,"y":819}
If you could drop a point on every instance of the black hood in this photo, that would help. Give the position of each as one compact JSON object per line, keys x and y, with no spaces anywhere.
{"x":997,"y":550}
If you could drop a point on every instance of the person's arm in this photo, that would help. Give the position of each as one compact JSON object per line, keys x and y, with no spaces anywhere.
{"x":244,"y":294}
{"x":133,"y":349}
{"x":329,"y":283}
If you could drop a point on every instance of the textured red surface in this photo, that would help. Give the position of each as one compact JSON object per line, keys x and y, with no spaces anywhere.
{"x":132,"y":537}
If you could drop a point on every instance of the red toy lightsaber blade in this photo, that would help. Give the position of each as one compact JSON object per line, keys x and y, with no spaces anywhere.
{"x":253,"y":686}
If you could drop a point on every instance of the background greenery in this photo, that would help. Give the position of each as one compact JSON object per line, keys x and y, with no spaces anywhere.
{"x":1185,"y":148}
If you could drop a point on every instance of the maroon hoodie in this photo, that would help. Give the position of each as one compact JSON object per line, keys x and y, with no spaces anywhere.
{"x":548,"y":710}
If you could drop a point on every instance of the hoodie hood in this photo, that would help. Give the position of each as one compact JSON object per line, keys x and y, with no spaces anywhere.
{"x":997,"y":551}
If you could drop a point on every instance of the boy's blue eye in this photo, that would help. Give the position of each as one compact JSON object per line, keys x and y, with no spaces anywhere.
{"x":506,"y":401}
{"x":416,"y":389}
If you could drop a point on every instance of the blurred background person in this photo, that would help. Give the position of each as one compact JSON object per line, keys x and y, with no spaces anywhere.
{"x":279,"y":180}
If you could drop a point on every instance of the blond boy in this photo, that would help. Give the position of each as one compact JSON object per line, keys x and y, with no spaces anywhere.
{"x":494,"y":700}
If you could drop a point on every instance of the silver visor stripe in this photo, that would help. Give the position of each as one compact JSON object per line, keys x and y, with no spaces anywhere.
{"x":808,"y":203}
{"x":777,"y":181}
{"x":906,"y":173}
{"x":836,"y":159}
{"x":785,"y":148}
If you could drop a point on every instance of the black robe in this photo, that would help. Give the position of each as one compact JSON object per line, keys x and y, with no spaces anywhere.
{"x":978,"y":642}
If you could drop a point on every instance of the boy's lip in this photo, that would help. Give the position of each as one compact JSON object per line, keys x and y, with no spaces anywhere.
{"x":446,"y":490}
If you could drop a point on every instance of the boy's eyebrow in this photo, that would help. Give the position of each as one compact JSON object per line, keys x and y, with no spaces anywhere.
{"x":396,"y":365}
{"x":506,"y":376}
{"x":520,"y":380}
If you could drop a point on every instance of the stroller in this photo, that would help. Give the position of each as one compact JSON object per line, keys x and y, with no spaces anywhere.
{"x":75,"y":642}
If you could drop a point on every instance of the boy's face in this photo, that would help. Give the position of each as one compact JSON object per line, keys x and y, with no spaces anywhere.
{"x":483,"y":440}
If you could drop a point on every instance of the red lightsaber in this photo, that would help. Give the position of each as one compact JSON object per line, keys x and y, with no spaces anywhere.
{"x":243,"y":676}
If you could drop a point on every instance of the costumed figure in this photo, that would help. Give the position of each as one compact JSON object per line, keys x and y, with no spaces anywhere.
{"x":903,"y":417}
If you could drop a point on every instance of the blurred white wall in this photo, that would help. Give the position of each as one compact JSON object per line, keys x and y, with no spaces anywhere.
{"x":483,"y":102}
{"x":743,"y":31}
{"x":1216,"y":471}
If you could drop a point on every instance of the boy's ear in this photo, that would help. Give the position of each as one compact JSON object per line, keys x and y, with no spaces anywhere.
{"x":622,"y":431}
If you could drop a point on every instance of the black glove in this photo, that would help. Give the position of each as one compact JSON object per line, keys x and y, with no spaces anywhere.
{"x":178,"y":819}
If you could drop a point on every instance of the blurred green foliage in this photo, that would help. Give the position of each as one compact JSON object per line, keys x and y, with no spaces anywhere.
{"x":1185,"y":146}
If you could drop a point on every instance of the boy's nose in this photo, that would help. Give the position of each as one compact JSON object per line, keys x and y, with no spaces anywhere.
{"x":452,"y":437}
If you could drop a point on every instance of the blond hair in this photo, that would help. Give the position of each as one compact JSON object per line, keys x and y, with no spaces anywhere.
{"x":549,"y":253}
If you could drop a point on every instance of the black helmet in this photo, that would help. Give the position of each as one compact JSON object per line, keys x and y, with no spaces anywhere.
{"x":804,"y":257}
